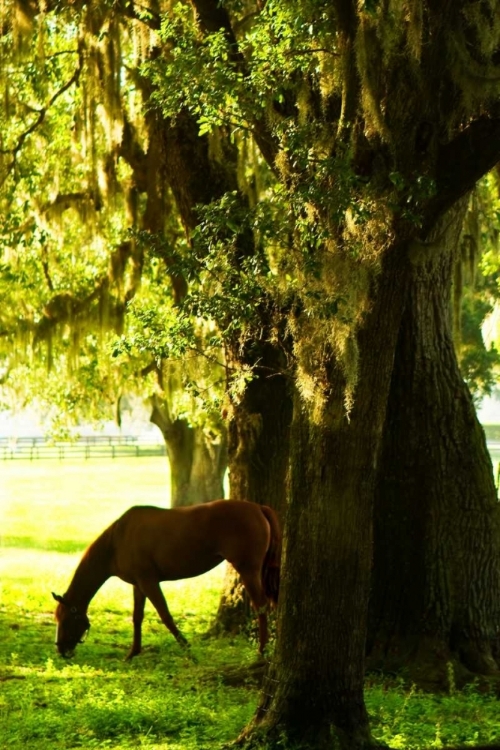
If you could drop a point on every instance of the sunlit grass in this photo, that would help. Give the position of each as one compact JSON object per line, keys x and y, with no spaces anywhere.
{"x":98,"y":699}
{"x":65,"y":504}
{"x":165,"y":699}
{"x":408,"y":719}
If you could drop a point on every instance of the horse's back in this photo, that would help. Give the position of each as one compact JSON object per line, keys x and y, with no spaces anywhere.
{"x":185,"y":542}
{"x":240,"y":530}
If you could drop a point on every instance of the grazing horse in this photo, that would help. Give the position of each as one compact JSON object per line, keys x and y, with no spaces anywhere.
{"x":148,"y":545}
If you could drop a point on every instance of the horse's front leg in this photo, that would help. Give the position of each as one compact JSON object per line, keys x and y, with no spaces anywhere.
{"x":155,"y":595}
{"x":137,"y":618}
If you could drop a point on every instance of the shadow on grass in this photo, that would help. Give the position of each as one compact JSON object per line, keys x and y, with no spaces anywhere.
{"x":48,"y":545}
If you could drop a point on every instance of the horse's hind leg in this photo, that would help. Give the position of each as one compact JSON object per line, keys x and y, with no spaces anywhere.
{"x":252,"y":582}
{"x":152,"y":590}
{"x":137,"y":618}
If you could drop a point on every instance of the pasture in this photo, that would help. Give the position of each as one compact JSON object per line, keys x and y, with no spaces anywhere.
{"x":164,"y":699}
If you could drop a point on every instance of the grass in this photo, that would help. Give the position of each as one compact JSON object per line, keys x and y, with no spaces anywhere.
{"x":165,"y":699}
{"x":408,"y":719}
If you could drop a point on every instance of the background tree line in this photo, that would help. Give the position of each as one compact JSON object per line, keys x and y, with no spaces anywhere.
{"x":260,"y":214}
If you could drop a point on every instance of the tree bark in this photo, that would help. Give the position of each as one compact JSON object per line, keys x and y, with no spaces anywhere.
{"x":313,"y":694}
{"x":436,"y":584}
{"x":258,"y":454}
{"x":198,"y":462}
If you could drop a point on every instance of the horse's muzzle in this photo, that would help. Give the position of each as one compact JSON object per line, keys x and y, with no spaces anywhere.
{"x":65,"y":651}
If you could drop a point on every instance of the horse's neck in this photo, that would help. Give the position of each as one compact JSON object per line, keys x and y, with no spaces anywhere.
{"x":92,"y":571}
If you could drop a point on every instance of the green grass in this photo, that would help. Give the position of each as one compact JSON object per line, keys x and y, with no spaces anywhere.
{"x":408,"y":719}
{"x":64,"y":505}
{"x":164,"y":699}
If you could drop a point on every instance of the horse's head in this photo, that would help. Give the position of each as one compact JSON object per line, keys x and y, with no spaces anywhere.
{"x":72,"y":626}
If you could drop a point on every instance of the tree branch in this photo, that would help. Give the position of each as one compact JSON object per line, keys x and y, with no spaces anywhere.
{"x":132,"y":152}
{"x":134,"y":11}
{"x":213,"y":17}
{"x":461,"y":163}
{"x":36,"y":124}
{"x":160,"y":416}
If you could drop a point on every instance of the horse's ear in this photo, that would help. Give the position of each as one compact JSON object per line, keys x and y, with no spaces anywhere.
{"x":58,"y":598}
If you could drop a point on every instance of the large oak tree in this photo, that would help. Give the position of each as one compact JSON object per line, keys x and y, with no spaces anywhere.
{"x":376,"y":103}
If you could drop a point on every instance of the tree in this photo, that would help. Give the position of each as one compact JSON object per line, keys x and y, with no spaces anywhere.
{"x":82,"y":176}
{"x":435,"y":477}
{"x":435,"y":596}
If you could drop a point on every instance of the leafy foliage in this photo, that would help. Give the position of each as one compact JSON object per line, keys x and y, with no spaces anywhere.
{"x":476,"y":285}
{"x":310,"y":216}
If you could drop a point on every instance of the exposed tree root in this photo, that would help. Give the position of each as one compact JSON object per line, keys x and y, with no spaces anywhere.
{"x":250,"y":675}
{"x":326,"y":737}
{"x":432,"y":666}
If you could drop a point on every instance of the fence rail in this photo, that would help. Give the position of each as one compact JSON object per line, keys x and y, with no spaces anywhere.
{"x":120,"y":446}
{"x":94,"y":446}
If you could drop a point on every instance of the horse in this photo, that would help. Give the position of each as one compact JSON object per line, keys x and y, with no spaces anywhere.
{"x":147,"y":545}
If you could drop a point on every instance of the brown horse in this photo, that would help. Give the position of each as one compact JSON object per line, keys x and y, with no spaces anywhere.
{"x":148,"y":545}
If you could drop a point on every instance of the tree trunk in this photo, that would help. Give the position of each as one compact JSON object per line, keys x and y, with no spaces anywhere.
{"x":258,"y":452}
{"x":313,"y":694}
{"x":259,"y":424}
{"x":197,"y":461}
{"x":259,"y":433}
{"x":436,"y":585}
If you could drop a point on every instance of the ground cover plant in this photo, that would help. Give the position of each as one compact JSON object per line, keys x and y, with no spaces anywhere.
{"x":165,"y":699}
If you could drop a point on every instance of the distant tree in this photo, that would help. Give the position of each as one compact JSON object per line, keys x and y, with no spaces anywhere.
{"x":476,"y":290}
{"x":81,"y":177}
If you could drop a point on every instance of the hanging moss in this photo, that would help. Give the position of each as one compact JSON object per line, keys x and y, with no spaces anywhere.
{"x":21,"y":18}
{"x":352,"y":98}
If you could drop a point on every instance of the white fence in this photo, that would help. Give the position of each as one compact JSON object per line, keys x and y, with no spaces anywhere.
{"x":94,"y":446}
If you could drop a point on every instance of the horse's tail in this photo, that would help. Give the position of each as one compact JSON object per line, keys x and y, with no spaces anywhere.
{"x":272,"y":560}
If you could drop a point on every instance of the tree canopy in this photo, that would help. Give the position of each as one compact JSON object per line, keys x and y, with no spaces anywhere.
{"x":91,"y":97}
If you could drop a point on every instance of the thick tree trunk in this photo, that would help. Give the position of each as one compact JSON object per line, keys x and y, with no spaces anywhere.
{"x":258,"y":452}
{"x":436,"y":586}
{"x":259,"y":430}
{"x":198,"y":463}
{"x":313,"y":694}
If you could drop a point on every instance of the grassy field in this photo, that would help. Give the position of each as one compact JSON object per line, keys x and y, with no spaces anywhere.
{"x":165,"y":699}
{"x":49,"y":512}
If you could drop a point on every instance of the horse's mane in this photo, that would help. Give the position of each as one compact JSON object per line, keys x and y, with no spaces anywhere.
{"x":101,"y":548}
{"x":94,"y":566}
